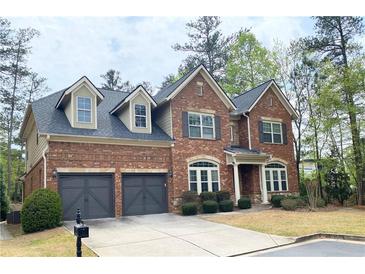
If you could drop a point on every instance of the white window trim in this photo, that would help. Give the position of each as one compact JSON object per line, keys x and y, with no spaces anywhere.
{"x":198,"y":177}
{"x":201,"y":125}
{"x":279,"y":177}
{"x":77,"y":109}
{"x":135,"y":115}
{"x":272,"y":132}
{"x":232,"y":133}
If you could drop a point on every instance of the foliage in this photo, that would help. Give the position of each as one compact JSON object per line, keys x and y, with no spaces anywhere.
{"x":276,"y":200}
{"x":189,"y":197}
{"x":321,"y":202}
{"x":208,"y":196}
{"x":210,"y":206}
{"x":249,"y":64}
{"x":4,"y":199}
{"x":223,"y":195}
{"x":244,"y":203}
{"x":289,"y":204}
{"x":41,"y":210}
{"x":188,"y":209}
{"x":226,"y":205}
{"x":168,"y":80}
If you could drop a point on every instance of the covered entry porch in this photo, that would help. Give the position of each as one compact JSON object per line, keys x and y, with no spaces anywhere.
{"x":248,"y":172}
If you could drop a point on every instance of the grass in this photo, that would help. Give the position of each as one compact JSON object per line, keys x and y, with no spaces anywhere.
{"x":57,"y":242}
{"x":294,"y":223}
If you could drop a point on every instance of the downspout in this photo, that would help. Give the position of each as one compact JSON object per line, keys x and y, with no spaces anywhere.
{"x":249,"y":130}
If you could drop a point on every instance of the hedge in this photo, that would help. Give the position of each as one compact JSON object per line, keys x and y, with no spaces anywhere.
{"x":208,"y":196}
{"x":276,"y":200}
{"x":244,"y":203}
{"x":189,"y":209}
{"x":226,"y":205}
{"x":223,"y":195}
{"x":189,"y":197}
{"x":210,"y":207}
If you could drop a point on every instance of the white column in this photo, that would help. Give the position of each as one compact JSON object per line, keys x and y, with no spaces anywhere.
{"x":263,"y":184}
{"x":236,"y":178}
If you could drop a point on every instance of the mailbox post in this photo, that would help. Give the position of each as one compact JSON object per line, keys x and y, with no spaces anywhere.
{"x":80,"y":231}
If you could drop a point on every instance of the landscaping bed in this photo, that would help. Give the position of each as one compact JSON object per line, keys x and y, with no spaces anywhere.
{"x":56,"y":242}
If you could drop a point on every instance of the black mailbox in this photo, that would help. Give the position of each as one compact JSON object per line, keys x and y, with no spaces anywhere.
{"x":81,"y":231}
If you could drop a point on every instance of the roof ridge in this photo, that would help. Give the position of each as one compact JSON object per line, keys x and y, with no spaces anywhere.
{"x":112,"y":90}
{"x":245,"y":92}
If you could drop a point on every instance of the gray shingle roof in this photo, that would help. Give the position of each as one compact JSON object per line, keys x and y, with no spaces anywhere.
{"x":237,"y":149}
{"x":54,"y":121}
{"x":245,"y":100}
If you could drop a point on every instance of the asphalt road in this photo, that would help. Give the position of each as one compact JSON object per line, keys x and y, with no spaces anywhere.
{"x":318,"y":248}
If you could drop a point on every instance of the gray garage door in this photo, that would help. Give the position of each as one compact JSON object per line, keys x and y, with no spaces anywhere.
{"x":93,"y":194}
{"x":144,"y":194}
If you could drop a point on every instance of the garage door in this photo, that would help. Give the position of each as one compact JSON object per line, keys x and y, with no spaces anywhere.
{"x":93,"y":194}
{"x":144,"y":194}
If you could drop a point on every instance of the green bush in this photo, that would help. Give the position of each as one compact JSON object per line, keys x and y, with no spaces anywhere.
{"x":301,"y":202}
{"x":41,"y":210}
{"x":321,"y":202}
{"x":289,"y":204}
{"x":210,"y":206}
{"x":223,"y":195}
{"x":276,"y":200}
{"x":189,"y":197}
{"x":226,"y":205}
{"x":208,"y":196}
{"x":244,"y":203}
{"x":189,"y":209}
{"x":4,"y":202}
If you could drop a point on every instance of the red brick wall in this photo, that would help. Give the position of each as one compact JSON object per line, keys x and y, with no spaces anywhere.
{"x":243,"y":132}
{"x":83,"y":155}
{"x":34,"y":179}
{"x":185,"y":148}
{"x":280,"y":151}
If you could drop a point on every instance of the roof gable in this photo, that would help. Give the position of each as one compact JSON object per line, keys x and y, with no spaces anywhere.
{"x":138,"y":90}
{"x":82,"y":81}
{"x":171,"y":91}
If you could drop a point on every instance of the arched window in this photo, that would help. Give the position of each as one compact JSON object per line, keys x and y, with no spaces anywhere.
{"x":276,"y":177}
{"x":203,"y":176}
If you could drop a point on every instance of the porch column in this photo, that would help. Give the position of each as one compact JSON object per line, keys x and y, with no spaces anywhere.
{"x":263,"y":183}
{"x":237,"y":190}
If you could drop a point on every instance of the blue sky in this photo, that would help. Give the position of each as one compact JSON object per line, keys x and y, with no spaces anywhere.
{"x":139,"y":47}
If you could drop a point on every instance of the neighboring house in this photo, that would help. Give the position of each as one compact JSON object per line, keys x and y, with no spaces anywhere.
{"x":112,"y":153}
{"x":307,"y":166}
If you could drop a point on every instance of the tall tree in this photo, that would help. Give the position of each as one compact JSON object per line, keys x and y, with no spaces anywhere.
{"x":207,"y":45}
{"x":335,"y":40}
{"x":168,"y":80}
{"x":13,"y":88}
{"x":249,"y":64}
{"x":113,"y":81}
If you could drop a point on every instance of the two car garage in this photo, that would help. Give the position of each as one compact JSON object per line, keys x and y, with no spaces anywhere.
{"x":94,"y":194}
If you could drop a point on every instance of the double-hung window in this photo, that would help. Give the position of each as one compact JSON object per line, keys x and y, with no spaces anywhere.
{"x":272,"y":132}
{"x":276,"y":177}
{"x":140,"y":115}
{"x":203,"y":176}
{"x":84,"y":109}
{"x":201,"y":126}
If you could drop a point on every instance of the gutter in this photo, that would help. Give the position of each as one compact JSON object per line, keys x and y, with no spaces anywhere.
{"x":249,"y":130}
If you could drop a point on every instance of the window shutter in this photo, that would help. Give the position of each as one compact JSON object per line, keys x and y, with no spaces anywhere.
{"x":185,"y":124}
{"x":261,"y":131}
{"x":217,"y":122}
{"x":285,"y":133}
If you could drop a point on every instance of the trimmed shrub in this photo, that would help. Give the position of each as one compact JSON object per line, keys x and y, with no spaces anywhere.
{"x":276,"y":200}
{"x":41,"y":210}
{"x":189,"y":209}
{"x":208,"y":196}
{"x":289,"y":204}
{"x":321,"y":202}
{"x":223,"y":195}
{"x":4,"y":202}
{"x":210,"y":206}
{"x":301,"y":202}
{"x":244,"y":203}
{"x":189,"y":197}
{"x":226,"y":205}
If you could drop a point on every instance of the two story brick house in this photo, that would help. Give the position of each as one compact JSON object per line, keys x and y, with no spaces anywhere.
{"x":112,"y":153}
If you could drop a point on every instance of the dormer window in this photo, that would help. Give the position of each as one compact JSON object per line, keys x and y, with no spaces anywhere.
{"x":83,"y":109}
{"x":140,"y":116}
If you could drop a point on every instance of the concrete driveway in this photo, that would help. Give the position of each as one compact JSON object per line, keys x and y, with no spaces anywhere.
{"x":172,"y":235}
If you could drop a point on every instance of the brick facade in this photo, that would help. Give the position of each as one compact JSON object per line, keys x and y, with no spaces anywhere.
{"x":34,"y":178}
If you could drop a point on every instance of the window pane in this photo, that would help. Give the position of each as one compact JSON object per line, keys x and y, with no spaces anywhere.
{"x":275,"y":175}
{"x":193,"y":187}
{"x":204,"y":186}
{"x":207,"y":120}
{"x":194,"y":131}
{"x":283,"y":175}
{"x":140,"y":110}
{"x":267,"y":138}
{"x":277,"y":138}
{"x":274,"y":166}
{"x":84,"y":103}
{"x":204,"y":175}
{"x":194,"y":119}
{"x":84,"y":116}
{"x":267,"y":127}
{"x":268,"y":186}
{"x":276,"y":128}
{"x":283,"y":185}
{"x":140,"y":121}
{"x":207,"y":132}
{"x":276,"y":185}
{"x":215,"y":186}
{"x":214,"y":175}
{"x":192,"y":175}
{"x":203,"y":164}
